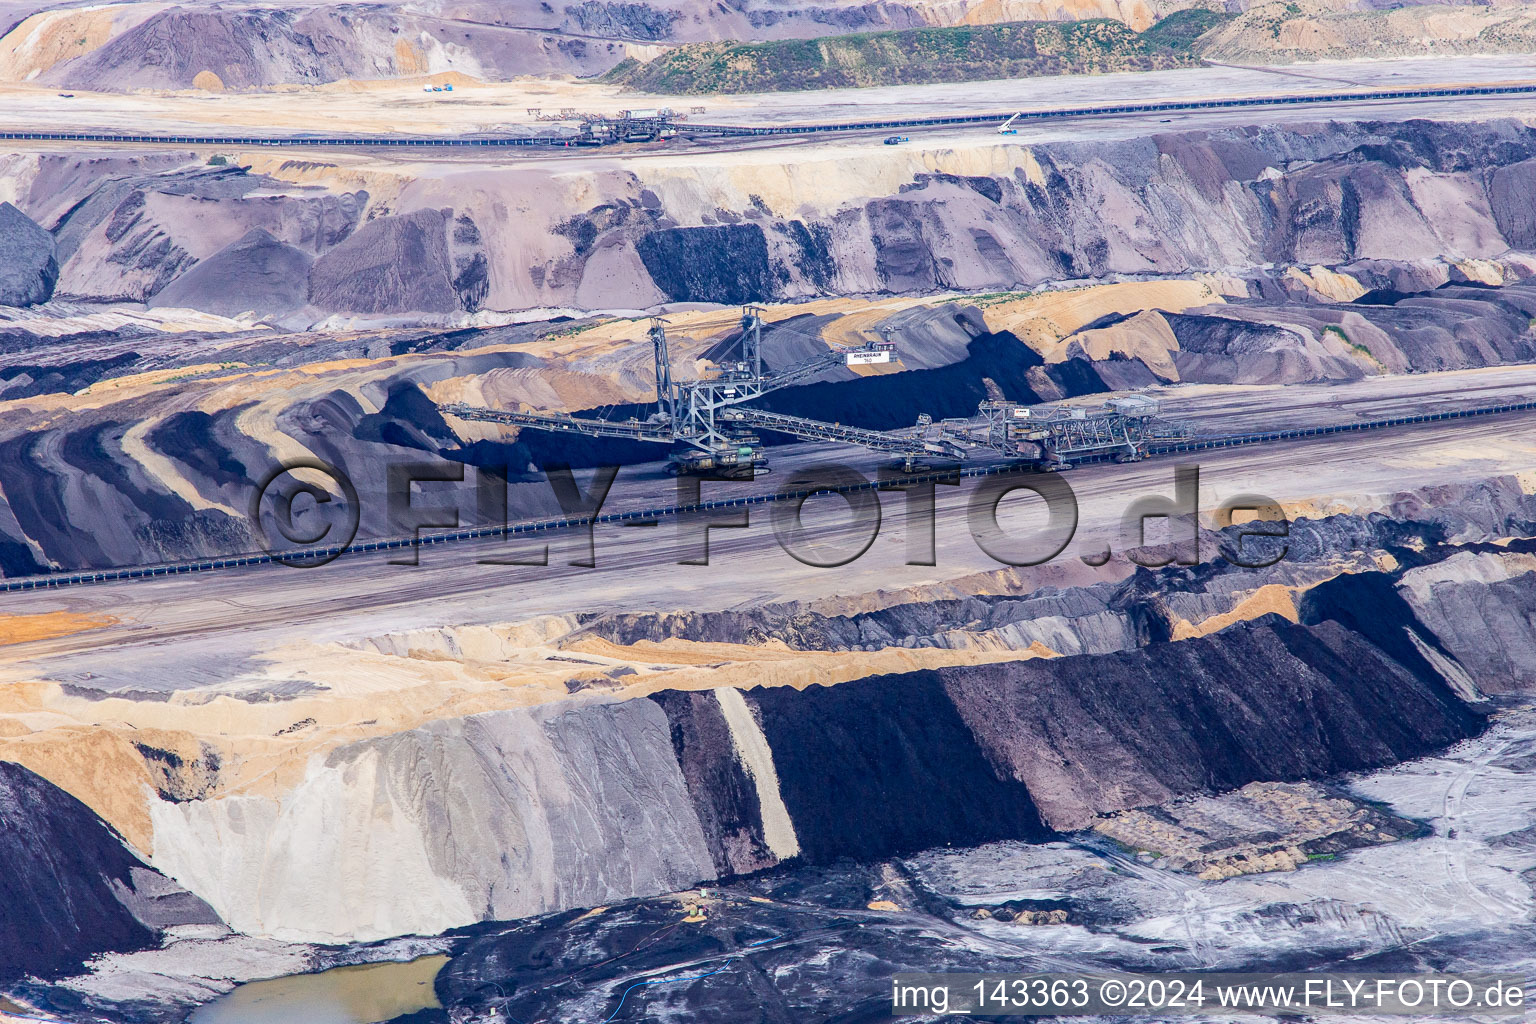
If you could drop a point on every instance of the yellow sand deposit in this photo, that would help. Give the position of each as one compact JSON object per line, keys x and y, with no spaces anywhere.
{"x":1272,"y":598}
{"x":47,"y":38}
{"x":1145,"y":336}
{"x":1044,"y":320}
{"x":1137,"y":14}
{"x":1482,"y":271}
{"x":1332,"y":285}
{"x":151,"y":378}
{"x":696,"y":665}
{"x":101,"y":767}
{"x":19,"y":629}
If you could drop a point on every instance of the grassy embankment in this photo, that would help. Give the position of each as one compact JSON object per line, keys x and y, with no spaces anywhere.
{"x":919,"y":56}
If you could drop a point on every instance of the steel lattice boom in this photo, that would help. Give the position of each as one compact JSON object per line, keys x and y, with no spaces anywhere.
{"x":710,"y":424}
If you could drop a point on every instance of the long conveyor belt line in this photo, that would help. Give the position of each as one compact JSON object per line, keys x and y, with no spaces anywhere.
{"x":1203,"y":444}
{"x":693,"y":129}
{"x":390,"y":544}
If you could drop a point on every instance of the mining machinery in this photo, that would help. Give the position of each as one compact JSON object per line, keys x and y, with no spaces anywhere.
{"x":629,"y":126}
{"x":707,"y":421}
{"x":1121,"y":429}
{"x":712,"y":427}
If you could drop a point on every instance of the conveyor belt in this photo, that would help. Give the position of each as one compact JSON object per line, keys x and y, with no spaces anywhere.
{"x":392,"y":544}
{"x":570,"y":141}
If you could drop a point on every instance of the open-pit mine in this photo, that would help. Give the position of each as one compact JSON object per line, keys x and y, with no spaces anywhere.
{"x":704,"y":577}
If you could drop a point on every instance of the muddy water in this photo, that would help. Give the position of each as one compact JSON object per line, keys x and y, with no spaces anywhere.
{"x":366,"y":994}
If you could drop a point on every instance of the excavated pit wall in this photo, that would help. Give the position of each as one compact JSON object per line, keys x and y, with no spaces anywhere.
{"x":516,"y":813}
{"x":508,"y":814}
{"x":1418,"y":217}
{"x":120,"y":48}
{"x":1339,"y":194}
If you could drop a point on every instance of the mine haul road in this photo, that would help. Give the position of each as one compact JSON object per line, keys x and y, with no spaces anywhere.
{"x":1119,"y":107}
{"x":182,"y":632}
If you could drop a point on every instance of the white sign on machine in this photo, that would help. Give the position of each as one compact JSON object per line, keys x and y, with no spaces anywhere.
{"x":880,"y":352}
{"x":865,"y":357}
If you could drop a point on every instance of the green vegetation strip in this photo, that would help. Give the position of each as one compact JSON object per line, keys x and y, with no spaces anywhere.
{"x":965,"y":53}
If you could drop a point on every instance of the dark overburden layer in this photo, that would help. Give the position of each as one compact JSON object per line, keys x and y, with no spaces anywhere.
{"x":1260,"y":700}
{"x":69,"y":887}
{"x":726,"y":801}
{"x":885,"y":765}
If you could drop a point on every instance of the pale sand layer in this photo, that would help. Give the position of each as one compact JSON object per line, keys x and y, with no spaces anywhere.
{"x":46,"y":321}
{"x":755,"y":754}
{"x":1271,"y":599}
{"x":165,"y":470}
{"x":88,"y":747}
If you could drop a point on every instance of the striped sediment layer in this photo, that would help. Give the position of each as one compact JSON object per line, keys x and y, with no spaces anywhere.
{"x":686,"y":753}
{"x":514,"y":813}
